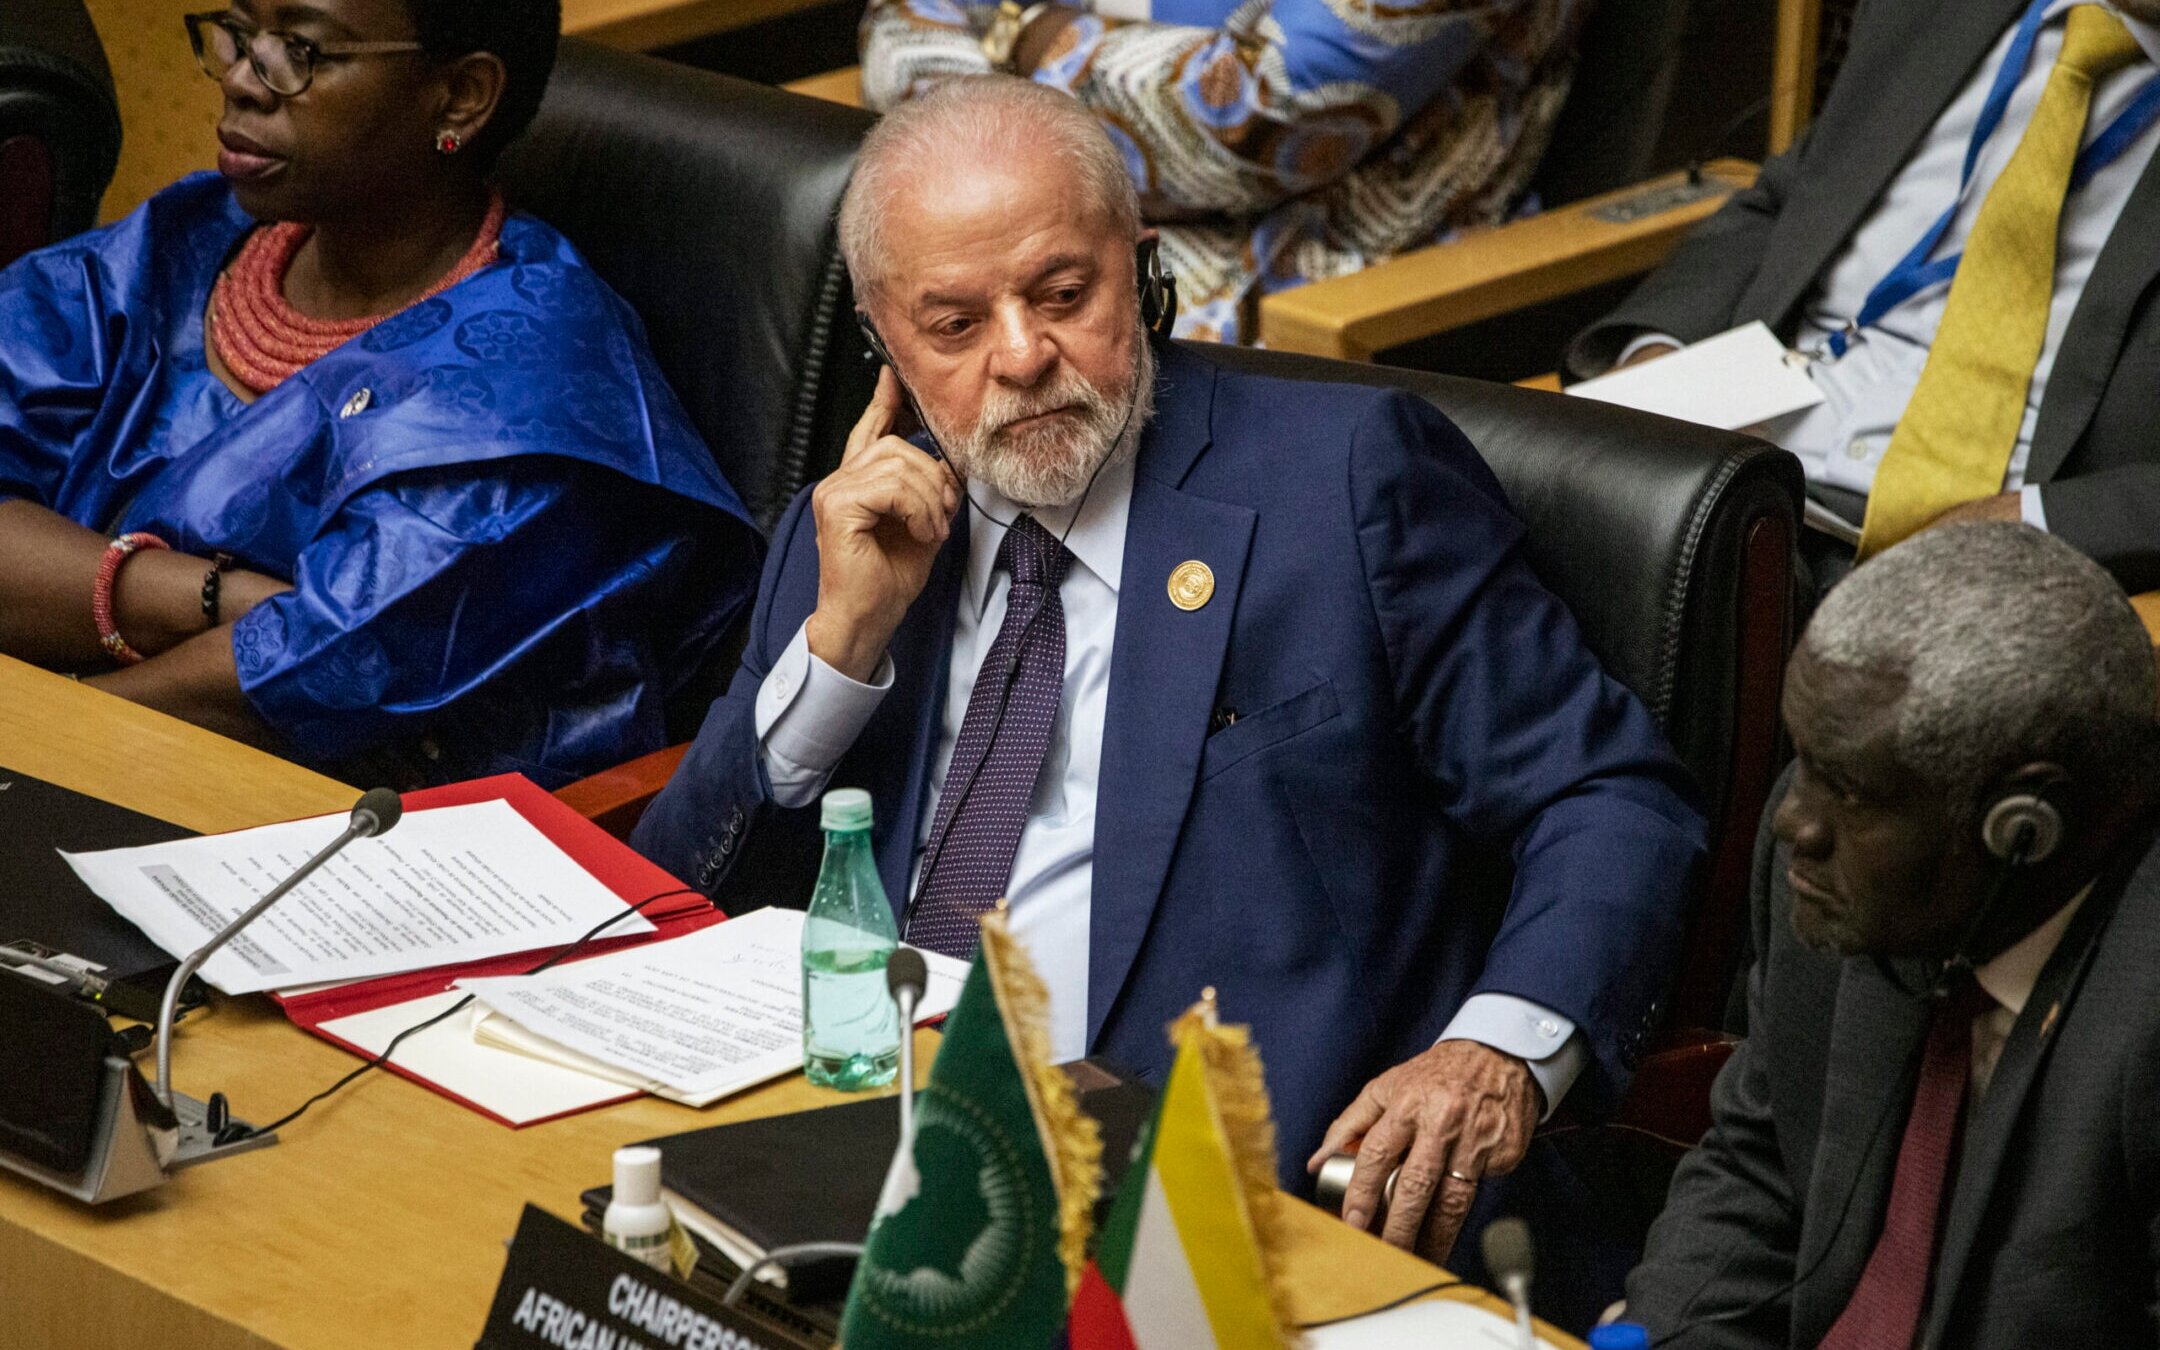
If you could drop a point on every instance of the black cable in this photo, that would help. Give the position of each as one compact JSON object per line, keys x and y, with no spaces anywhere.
{"x":395,"y":1041}
{"x":1410,"y":1297}
{"x":1715,"y":145}
{"x":1725,"y":134}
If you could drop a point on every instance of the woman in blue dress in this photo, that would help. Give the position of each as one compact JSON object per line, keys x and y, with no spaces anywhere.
{"x":327,"y":452}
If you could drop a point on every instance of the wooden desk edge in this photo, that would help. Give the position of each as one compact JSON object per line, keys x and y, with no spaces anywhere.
{"x":58,"y":1259}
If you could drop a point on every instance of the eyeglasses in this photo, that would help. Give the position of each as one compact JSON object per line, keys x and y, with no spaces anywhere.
{"x":284,"y":62}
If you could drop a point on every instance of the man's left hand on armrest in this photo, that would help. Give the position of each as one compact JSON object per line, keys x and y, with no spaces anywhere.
{"x":1459,"y":1110}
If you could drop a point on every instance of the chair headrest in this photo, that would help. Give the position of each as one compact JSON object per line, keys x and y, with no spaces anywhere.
{"x":708,"y":203}
{"x":56,"y":86}
{"x":1624,"y":513}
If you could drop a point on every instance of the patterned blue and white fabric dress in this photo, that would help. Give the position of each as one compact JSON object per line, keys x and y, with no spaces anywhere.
{"x":506,"y":542}
{"x":1281,"y":141}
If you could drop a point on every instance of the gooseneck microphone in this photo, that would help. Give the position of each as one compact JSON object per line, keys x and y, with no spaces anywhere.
{"x":1511,"y":1259}
{"x":906,"y":976}
{"x":374,"y":813}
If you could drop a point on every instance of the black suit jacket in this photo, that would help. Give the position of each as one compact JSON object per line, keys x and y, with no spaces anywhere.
{"x":2095,"y":452}
{"x":2052,"y":1235}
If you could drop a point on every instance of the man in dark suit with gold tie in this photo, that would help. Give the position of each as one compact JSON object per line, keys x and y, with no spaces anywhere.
{"x":1964,"y":249}
{"x":1939,"y":1131}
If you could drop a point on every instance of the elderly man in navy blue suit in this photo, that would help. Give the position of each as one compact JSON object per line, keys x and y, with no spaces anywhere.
{"x":1219,"y":679}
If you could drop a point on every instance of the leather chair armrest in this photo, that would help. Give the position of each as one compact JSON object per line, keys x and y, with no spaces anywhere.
{"x":834,"y":86}
{"x":1670,"y":1097}
{"x":615,"y":799}
{"x":1527,"y":262}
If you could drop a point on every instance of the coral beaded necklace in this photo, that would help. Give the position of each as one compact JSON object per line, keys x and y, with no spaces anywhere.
{"x":262,"y":339}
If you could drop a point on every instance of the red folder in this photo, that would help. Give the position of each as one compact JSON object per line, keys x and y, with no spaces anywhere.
{"x":610,"y":861}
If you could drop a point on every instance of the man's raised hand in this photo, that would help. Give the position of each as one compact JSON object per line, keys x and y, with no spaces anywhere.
{"x":881,"y":518}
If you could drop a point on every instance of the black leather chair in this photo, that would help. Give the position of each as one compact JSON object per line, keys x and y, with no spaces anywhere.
{"x":1673,"y":546}
{"x":59,"y":124}
{"x":708,"y":203}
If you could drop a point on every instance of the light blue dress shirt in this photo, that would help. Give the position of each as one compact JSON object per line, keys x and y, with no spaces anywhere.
{"x":809,"y":714}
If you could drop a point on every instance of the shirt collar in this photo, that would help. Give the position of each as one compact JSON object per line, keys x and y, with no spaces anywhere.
{"x":2010,"y":977}
{"x":1093,"y":529}
{"x":2147,"y":35}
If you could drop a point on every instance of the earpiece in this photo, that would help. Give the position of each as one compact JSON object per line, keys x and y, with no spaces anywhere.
{"x":2022,"y":828}
{"x":878,"y":352}
{"x":873,"y":341}
{"x":1158,"y":289}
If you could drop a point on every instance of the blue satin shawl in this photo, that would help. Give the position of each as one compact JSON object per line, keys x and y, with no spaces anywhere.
{"x":507,"y":544}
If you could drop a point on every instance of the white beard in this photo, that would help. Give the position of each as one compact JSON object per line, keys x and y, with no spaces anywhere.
{"x":1052,"y":465}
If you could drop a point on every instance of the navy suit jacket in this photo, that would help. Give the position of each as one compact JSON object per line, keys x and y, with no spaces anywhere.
{"x":1414,"y":707}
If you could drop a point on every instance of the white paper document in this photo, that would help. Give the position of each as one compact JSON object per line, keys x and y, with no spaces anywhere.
{"x":1733,"y":381}
{"x":1436,"y":1324}
{"x":457,"y":883}
{"x":694,"y":1018}
{"x":518,"y":1089}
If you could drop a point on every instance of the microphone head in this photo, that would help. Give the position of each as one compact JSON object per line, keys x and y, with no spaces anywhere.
{"x":376,"y":811}
{"x":906,"y":970}
{"x":1509,"y":1253}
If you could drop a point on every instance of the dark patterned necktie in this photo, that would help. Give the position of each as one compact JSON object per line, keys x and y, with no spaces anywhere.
{"x":1884,"y":1313}
{"x":990,"y":782}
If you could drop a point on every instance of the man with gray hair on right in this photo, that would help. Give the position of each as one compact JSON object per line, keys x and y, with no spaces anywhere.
{"x":1940,"y":1131}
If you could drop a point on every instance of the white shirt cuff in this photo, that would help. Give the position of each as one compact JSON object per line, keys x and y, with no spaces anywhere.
{"x":1628,"y":352}
{"x":1531,"y":1032}
{"x":808,"y":716}
{"x":2030,"y":508}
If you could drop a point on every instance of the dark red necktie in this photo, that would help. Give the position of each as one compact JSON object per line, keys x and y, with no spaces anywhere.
{"x":1884,"y":1313}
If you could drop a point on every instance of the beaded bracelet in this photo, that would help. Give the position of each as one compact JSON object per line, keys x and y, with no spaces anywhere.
{"x":101,"y":596}
{"x":212,"y":584}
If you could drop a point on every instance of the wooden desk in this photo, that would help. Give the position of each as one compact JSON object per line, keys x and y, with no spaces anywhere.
{"x":641,"y":25}
{"x":379,"y":1218}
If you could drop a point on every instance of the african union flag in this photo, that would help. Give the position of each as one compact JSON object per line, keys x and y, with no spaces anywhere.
{"x":1183,"y":1260}
{"x":983,"y":1226}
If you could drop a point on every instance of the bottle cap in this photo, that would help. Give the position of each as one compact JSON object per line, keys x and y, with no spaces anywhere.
{"x":846,"y":809}
{"x":1620,"y":1336}
{"x":637,"y":1175}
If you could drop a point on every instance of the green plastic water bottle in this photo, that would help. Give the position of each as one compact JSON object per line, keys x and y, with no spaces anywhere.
{"x":851,"y":1029}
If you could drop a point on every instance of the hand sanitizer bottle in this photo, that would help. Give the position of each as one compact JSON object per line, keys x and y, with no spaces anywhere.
{"x":636,"y":1221}
{"x":851,"y":1030}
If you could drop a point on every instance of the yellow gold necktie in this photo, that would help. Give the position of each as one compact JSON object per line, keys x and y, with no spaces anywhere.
{"x":1954,"y":442}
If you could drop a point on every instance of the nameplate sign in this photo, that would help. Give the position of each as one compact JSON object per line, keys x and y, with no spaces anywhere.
{"x":564,"y":1289}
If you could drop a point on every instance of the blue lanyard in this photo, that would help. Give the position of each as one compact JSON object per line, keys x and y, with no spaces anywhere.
{"x":1919,"y":269}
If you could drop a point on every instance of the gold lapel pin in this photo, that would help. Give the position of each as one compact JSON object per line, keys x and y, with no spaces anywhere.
{"x":1191,"y":585}
{"x":2047,"y":1023}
